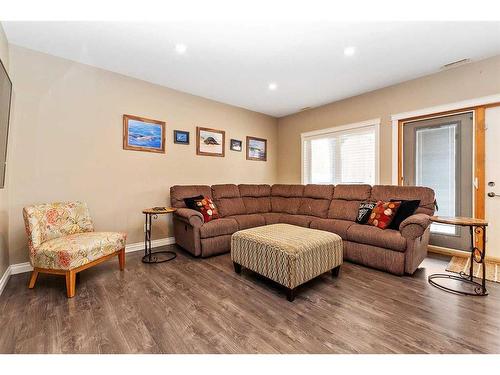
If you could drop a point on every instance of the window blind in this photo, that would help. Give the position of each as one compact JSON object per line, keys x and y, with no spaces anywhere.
{"x":340,"y":157}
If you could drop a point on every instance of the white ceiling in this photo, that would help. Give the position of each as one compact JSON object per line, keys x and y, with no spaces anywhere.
{"x":233,"y":61}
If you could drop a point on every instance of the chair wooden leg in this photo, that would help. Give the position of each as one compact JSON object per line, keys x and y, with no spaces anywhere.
{"x":33,"y":278}
{"x":121,"y":259}
{"x":70,"y":283}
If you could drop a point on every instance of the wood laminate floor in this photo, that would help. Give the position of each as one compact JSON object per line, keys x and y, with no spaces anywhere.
{"x":201,"y":306}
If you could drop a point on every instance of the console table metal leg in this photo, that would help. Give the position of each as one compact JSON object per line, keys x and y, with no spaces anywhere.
{"x":149,"y":255}
{"x":477,"y":255}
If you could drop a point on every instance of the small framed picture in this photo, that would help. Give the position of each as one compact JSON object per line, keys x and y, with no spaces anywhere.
{"x":143,"y":134}
{"x":256,"y":149}
{"x":210,"y":142}
{"x":181,"y":137}
{"x":235,"y":145}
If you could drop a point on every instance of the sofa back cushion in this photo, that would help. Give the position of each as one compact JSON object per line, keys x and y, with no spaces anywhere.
{"x":424,"y":194}
{"x":316,"y":200}
{"x":256,"y":198}
{"x":179,"y":192}
{"x":286,"y":198}
{"x":346,"y":200}
{"x":228,"y":200}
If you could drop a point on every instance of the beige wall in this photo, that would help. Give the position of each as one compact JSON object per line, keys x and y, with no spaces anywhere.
{"x":466,"y":82}
{"x":67,"y":144}
{"x":4,"y":193}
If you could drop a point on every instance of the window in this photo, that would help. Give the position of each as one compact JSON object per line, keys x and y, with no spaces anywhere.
{"x":342,"y":155}
{"x":436,"y":166}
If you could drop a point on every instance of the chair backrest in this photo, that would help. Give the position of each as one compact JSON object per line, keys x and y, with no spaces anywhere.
{"x":47,"y":221}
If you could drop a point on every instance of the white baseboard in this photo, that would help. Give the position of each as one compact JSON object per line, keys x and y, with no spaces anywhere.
{"x":14,"y":269}
{"x":20,"y":268}
{"x":139,"y":246}
{"x":4,"y":279}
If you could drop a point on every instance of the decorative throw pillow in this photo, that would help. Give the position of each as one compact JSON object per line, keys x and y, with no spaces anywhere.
{"x":190,"y":202}
{"x":383,"y":213}
{"x":207,"y":209}
{"x":364,"y":211}
{"x":406,"y":209}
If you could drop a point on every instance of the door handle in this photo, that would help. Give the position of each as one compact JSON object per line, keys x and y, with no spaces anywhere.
{"x":492,"y":194}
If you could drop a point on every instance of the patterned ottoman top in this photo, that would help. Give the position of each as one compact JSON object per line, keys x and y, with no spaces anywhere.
{"x":290,"y":239}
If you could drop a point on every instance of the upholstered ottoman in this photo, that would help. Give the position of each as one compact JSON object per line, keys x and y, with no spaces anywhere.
{"x":287,"y":254}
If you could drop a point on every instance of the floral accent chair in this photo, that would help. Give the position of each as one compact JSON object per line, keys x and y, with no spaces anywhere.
{"x":62,"y":241}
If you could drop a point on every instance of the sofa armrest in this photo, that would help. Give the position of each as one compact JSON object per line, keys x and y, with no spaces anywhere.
{"x":414,"y":226}
{"x":189,"y":216}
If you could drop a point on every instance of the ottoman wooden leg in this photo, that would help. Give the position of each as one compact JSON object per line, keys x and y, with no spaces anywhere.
{"x":290,"y":294}
{"x":237,"y":267}
{"x":335,"y":271}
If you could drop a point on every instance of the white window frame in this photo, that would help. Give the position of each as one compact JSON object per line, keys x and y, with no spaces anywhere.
{"x":341,"y":128}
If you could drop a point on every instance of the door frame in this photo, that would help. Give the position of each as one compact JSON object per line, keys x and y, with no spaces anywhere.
{"x":478,"y":108}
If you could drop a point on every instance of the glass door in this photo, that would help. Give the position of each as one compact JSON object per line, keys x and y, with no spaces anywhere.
{"x":438,"y":153}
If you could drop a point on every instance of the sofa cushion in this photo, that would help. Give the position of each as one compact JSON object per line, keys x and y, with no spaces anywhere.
{"x":346,"y":200}
{"x":280,"y":190}
{"x":271,"y":218}
{"x":370,"y":235}
{"x":286,"y":198}
{"x":343,"y":209}
{"x":352,"y":192}
{"x":256,"y":198}
{"x":260,"y":190}
{"x":388,"y":192}
{"x":316,"y":200}
{"x":339,"y":227}
{"x":299,"y":220}
{"x":248,"y":221}
{"x":218,"y":227}
{"x":228,"y":200}
{"x":178,"y":193}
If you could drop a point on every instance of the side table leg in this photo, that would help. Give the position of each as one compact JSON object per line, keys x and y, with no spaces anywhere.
{"x":473,"y":245}
{"x":483,"y":256}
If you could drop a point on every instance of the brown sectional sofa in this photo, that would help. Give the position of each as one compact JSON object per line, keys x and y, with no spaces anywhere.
{"x":325,"y":207}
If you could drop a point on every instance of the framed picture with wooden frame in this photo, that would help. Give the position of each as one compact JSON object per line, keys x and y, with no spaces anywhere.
{"x":256,"y":149}
{"x":143,"y":134}
{"x":210,"y":142}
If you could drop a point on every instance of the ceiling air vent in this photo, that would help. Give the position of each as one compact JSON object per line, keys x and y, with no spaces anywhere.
{"x":454,"y":64}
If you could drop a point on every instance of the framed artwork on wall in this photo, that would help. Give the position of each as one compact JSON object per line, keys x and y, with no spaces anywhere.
{"x":256,"y":149}
{"x":143,"y":134}
{"x":235,"y":145}
{"x":210,"y":142}
{"x":181,"y":137}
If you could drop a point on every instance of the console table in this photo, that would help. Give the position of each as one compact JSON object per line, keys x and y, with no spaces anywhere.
{"x":157,"y":256}
{"x":478,"y":227}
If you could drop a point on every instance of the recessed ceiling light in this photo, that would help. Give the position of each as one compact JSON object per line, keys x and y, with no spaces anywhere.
{"x":349,"y":51}
{"x":180,"y":48}
{"x":272,"y":86}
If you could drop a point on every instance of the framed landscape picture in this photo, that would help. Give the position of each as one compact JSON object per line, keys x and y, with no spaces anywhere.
{"x":256,"y":149}
{"x":142,"y":134}
{"x":210,"y":142}
{"x":181,"y":137}
{"x":235,"y":145}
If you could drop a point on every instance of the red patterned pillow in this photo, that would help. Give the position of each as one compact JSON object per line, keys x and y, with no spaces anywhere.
{"x":207,"y":208}
{"x":383,"y":213}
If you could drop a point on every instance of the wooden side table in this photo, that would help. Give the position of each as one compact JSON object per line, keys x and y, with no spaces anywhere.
{"x":157,"y":256}
{"x":476,"y":226}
